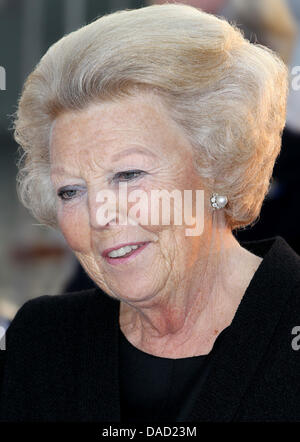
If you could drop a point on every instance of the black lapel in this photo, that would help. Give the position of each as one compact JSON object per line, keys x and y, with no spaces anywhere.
{"x":235,"y":357}
{"x":98,"y":391}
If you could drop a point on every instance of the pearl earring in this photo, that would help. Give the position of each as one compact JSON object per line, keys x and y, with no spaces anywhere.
{"x":218,"y":201}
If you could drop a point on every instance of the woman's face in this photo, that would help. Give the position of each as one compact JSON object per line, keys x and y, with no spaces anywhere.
{"x":131,"y":141}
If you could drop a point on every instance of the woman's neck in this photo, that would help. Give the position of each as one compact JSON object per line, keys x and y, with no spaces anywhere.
{"x":186,"y":321}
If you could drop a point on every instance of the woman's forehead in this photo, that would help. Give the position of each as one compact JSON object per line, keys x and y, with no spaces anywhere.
{"x":114,"y":127}
{"x":124,"y":113}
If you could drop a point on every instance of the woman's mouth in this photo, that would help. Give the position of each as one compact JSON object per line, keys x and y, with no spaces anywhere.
{"x":124,"y":252}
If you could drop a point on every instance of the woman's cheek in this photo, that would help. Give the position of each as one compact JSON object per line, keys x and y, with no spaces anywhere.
{"x":75,"y":226}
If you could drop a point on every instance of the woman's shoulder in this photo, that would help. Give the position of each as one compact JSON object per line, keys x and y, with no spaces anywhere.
{"x":51,"y":341}
{"x":46,"y":305}
{"x":57,"y":314}
{"x":279,"y":258}
{"x":272,"y":299}
{"x":274,"y":291}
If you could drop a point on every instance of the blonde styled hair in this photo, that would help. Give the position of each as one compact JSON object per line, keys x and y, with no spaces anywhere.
{"x":227,"y":95}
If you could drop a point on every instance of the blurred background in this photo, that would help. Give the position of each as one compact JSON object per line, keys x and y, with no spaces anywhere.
{"x":34,"y":259}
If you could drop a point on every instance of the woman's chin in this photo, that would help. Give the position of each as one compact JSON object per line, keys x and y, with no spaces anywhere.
{"x":133,"y":279}
{"x":133,"y":290}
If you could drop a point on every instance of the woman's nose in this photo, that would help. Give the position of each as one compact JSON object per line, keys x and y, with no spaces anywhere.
{"x":104,"y":210}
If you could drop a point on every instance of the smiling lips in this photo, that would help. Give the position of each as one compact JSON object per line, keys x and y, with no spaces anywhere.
{"x":123,"y":251}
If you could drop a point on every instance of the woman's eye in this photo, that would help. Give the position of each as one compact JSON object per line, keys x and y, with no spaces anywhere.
{"x":128,"y":175}
{"x":67,"y":194}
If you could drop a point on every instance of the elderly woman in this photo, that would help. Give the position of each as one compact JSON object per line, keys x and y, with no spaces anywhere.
{"x":185,"y":324}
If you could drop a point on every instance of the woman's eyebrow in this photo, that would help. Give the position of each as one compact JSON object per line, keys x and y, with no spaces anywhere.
{"x":130,"y":151}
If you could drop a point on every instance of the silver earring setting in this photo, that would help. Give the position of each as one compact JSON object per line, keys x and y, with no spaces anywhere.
{"x":218,"y":201}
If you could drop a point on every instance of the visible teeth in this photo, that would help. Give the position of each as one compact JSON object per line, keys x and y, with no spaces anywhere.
{"x":122,"y":251}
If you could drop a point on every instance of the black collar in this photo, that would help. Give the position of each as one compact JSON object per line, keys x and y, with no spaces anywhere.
{"x":237,"y":356}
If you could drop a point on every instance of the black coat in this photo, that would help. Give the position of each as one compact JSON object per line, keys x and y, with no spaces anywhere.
{"x":61,"y":359}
